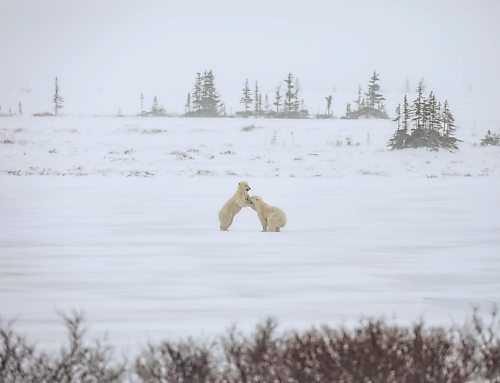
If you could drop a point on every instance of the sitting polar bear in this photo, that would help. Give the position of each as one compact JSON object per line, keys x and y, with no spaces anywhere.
{"x":271,"y":218}
{"x":239,"y":200}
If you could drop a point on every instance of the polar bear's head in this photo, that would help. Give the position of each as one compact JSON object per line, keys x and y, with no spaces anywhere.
{"x":243,"y":186}
{"x":255,"y":202}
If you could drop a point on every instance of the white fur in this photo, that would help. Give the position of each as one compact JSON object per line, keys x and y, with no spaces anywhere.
{"x":272,"y":218}
{"x":239,"y":200}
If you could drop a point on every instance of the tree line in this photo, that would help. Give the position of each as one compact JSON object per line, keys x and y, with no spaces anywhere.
{"x":286,"y":102}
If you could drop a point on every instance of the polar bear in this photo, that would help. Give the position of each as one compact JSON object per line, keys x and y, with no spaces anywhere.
{"x":239,"y":200}
{"x":272,"y":218}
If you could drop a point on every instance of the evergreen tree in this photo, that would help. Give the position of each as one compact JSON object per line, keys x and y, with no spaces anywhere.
{"x":358,"y":101}
{"x":417,"y":109}
{"x":328,"y":104}
{"x":267,"y":105}
{"x":426,"y":112}
{"x":434,"y":113}
{"x":398,"y":116}
{"x":196,"y":94}
{"x":449,"y":127}
{"x":303,"y":110}
{"x":398,"y":140}
{"x":256,"y":97}
{"x":246,"y":99}
{"x":290,"y":95}
{"x":211,"y":98}
{"x":20,"y":108}
{"x":296,"y":104}
{"x":57,"y":99}
{"x":155,"y":108}
{"x":141,"y":98}
{"x":222,"y":109}
{"x":374,"y":98}
{"x":188,"y":103}
{"x":406,"y":117}
{"x":277,"y":99}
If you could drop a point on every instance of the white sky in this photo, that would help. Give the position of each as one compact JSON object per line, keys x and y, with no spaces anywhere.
{"x":106,"y":52}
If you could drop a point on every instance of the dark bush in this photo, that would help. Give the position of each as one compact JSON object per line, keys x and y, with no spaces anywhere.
{"x":374,"y":352}
{"x":179,"y":362}
{"x":75,"y":363}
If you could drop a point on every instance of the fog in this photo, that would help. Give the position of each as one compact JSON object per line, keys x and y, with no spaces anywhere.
{"x":106,"y":53}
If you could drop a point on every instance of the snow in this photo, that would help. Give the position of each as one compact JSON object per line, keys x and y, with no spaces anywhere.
{"x":117,"y":217}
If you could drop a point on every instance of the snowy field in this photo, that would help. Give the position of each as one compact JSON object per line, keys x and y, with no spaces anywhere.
{"x":117,"y":217}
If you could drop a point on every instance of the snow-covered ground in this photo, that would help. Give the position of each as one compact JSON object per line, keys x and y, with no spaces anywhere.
{"x":117,"y":217}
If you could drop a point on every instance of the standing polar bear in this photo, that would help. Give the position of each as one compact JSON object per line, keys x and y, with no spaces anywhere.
{"x":239,"y":200}
{"x":272,"y":218}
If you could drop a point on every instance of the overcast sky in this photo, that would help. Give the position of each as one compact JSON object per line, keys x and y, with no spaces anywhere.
{"x":106,"y":52}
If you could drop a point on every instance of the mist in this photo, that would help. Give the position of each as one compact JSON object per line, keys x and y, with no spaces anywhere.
{"x":106,"y":53}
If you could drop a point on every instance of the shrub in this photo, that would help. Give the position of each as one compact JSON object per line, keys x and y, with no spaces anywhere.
{"x":374,"y":351}
{"x":75,"y":363}
{"x":492,"y":139}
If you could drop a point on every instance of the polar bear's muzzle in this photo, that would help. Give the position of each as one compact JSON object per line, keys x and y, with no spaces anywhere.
{"x":248,"y":188}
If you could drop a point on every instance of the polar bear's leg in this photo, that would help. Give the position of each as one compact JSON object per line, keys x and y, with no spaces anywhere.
{"x":263,"y":221}
{"x":225,"y":222}
{"x":274,"y":223}
{"x":230,"y":220}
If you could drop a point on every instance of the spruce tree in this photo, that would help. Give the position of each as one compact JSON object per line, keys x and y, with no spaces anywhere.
{"x":374,"y":98}
{"x":328,"y":104}
{"x":398,"y":140}
{"x":222,"y":109}
{"x":210,"y":96}
{"x":449,"y":128}
{"x":57,"y":99}
{"x":398,"y":116}
{"x":267,"y":105}
{"x":348,"y":110}
{"x":296,"y":104}
{"x":196,"y":94}
{"x":290,"y":94}
{"x":406,"y":117}
{"x":417,"y":109}
{"x":155,"y":107}
{"x":358,"y":101}
{"x":20,"y":108}
{"x":188,"y":103}
{"x":205,"y":89}
{"x":277,"y":99}
{"x":246,"y":99}
{"x":256,"y":97}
